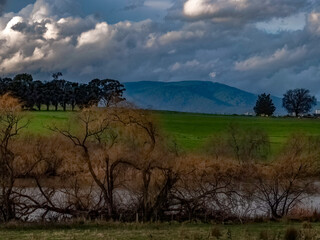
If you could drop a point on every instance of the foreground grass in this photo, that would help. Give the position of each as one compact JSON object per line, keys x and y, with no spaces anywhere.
{"x":193,"y":130}
{"x":166,"y":231}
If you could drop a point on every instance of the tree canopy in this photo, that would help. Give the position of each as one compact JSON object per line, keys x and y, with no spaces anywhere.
{"x":298,"y":101}
{"x":264,"y":105}
{"x":59,"y":92}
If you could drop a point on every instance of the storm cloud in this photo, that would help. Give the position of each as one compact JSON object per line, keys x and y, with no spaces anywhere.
{"x":2,"y":5}
{"x":133,"y":4}
{"x":241,"y":10}
{"x":215,"y":40}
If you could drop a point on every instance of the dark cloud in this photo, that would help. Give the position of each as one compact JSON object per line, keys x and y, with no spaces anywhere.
{"x":236,"y":11}
{"x":133,"y":4}
{"x":2,"y":6}
{"x":43,"y":39}
{"x":36,"y":30}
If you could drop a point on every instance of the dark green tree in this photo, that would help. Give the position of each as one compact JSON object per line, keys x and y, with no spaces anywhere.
{"x":298,"y":101}
{"x":94,"y":92}
{"x":106,"y":92}
{"x":5,"y":85}
{"x":72,"y":92}
{"x":64,"y":90}
{"x":57,"y":75}
{"x":82,"y":96}
{"x":111,"y":92}
{"x":54,"y":91}
{"x":61,"y":92}
{"x":264,"y":105}
{"x":20,"y":88}
{"x":36,"y":92}
{"x":46,"y":100}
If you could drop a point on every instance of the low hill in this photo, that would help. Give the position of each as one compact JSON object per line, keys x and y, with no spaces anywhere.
{"x":193,"y":96}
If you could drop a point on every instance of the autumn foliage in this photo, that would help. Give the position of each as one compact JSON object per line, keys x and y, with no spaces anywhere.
{"x":115,"y":163}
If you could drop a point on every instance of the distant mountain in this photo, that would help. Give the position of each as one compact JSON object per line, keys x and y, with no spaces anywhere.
{"x":193,"y":96}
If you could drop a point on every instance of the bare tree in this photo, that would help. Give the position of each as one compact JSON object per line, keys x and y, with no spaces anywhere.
{"x":151,"y":157}
{"x":11,"y":123}
{"x":280,"y":186}
{"x":95,"y":134}
{"x":246,"y":145}
{"x":207,"y":188}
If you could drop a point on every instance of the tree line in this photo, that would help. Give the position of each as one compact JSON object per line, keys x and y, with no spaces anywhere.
{"x":116,"y":164}
{"x":59,"y":92}
{"x":297,"y":102}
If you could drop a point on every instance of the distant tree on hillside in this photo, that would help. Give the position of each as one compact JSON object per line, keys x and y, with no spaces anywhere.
{"x":82,"y":95}
{"x":298,"y":101}
{"x":4,"y":85}
{"x":264,"y":105}
{"x":111,"y":92}
{"x":105,"y":91}
{"x":58,"y":91}
{"x":20,"y":88}
{"x":46,"y":100}
{"x":57,"y":75}
{"x":36,"y":94}
{"x":72,"y":92}
{"x":55,"y":92}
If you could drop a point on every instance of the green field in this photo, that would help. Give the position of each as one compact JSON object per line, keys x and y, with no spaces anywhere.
{"x":40,"y":121}
{"x":166,"y":231}
{"x":192,"y":130}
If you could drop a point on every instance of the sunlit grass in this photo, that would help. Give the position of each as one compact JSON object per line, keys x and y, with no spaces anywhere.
{"x":191,"y":131}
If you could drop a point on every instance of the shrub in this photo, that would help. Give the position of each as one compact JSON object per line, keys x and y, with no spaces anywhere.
{"x":216,"y":232}
{"x":306,"y":225}
{"x":243,"y":145}
{"x":291,"y":234}
{"x":265,"y":235}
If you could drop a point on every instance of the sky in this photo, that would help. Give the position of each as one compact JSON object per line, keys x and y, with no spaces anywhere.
{"x":256,"y":45}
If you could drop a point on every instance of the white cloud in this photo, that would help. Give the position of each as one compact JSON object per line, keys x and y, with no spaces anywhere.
{"x":212,"y":75}
{"x":187,"y":65}
{"x":198,"y":8}
{"x":314,"y":23}
{"x":176,"y":36}
{"x":158,"y":4}
{"x":241,"y":10}
{"x":280,"y":58}
{"x":175,"y":66}
{"x":291,"y":23}
{"x":52,"y":31}
{"x":95,"y":36}
{"x":43,"y":41}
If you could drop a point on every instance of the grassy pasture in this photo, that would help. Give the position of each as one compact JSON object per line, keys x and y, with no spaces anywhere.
{"x":192,"y":130}
{"x":166,"y":231}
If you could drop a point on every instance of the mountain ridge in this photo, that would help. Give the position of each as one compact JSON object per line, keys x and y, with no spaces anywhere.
{"x":193,"y":96}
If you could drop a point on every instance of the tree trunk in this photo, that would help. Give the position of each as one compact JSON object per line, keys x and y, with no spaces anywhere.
{"x":146,"y":206}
